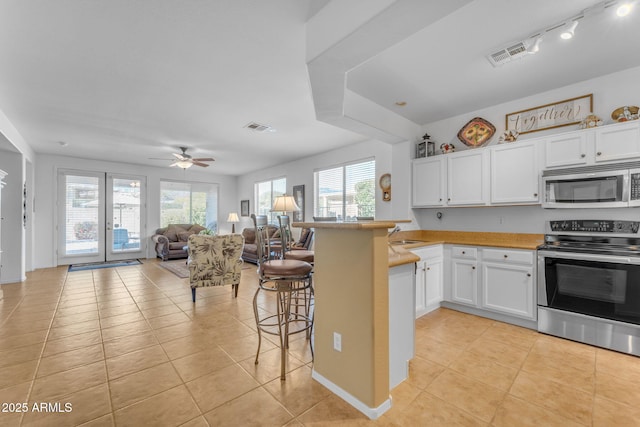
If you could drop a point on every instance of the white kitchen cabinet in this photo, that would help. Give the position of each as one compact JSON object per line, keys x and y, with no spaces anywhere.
{"x":617,"y":142}
{"x":515,"y":173}
{"x":2,"y":175}
{"x":429,"y":181}
{"x":567,"y":149}
{"x":508,"y":284}
{"x":467,"y":178}
{"x":464,"y":275}
{"x":429,"y":273}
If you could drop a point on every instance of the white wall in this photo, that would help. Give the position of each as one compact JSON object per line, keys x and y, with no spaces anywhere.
{"x":47,"y":166}
{"x":301,"y":172}
{"x":12,"y":244}
{"x":609,"y":92}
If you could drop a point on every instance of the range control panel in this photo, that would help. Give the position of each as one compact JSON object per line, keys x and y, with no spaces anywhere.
{"x":597,"y":226}
{"x":634,"y":192}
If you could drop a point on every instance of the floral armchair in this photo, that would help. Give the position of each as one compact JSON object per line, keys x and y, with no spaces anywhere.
{"x":215,"y":261}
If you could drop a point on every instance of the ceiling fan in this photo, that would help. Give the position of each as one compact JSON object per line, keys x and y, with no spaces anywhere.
{"x":185,"y":161}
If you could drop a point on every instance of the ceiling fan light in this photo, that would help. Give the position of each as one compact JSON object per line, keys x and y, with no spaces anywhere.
{"x":569,"y":30}
{"x":624,"y":9}
{"x":184,"y":164}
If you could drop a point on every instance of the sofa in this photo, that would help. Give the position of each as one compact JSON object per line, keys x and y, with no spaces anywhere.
{"x":250,"y":250}
{"x":171,"y":241}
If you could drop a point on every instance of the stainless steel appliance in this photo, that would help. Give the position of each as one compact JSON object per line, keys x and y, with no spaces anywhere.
{"x":600,"y":186}
{"x":589,"y":283}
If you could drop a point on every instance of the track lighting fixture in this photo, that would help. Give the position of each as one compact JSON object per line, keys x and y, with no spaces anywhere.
{"x":533,"y":45}
{"x":568,"y":30}
{"x":624,"y":9}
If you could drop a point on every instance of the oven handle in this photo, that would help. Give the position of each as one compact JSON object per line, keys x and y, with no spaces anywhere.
{"x":589,"y":257}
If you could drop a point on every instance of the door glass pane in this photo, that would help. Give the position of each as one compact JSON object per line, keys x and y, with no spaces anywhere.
{"x":82,"y":204}
{"x":126,"y":214}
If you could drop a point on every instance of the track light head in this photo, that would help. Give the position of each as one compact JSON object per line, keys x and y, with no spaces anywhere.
{"x":568,"y":30}
{"x":624,"y":9}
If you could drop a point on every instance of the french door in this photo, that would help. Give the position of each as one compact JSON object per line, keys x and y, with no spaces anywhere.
{"x":100,"y":217}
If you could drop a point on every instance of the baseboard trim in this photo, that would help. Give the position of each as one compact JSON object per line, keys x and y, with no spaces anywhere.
{"x":372,"y":413}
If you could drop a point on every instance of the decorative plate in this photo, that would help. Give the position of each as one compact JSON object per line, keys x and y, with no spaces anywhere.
{"x":477,"y":132}
{"x":624,"y":114}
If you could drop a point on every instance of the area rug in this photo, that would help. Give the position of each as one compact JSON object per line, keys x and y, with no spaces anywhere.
{"x":106,"y":264}
{"x":178,"y":267}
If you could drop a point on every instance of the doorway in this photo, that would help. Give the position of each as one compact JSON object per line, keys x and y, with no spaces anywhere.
{"x":100,"y":217}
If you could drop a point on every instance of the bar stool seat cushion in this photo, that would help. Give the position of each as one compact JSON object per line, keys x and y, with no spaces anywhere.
{"x":287,"y":267}
{"x":300,"y":255}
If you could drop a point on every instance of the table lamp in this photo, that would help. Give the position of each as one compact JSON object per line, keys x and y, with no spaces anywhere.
{"x":285,"y":204}
{"x":233,"y":218}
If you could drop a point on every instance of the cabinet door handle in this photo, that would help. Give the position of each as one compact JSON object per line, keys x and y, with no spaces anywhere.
{"x":440,"y":198}
{"x":449,"y":199}
{"x":599,"y":153}
{"x":428,"y":268}
{"x":583,"y":155}
{"x":535,"y":194}
{"x":528,"y":274}
{"x":506,"y":256}
{"x":463,"y":252}
{"x":473,"y":267}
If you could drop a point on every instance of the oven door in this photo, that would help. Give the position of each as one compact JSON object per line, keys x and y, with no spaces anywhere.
{"x":596,"y":285}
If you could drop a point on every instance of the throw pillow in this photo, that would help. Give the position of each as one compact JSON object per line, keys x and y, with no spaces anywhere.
{"x":171,"y":235}
{"x":196,"y":228}
{"x":183,"y":236}
{"x":304,"y":235}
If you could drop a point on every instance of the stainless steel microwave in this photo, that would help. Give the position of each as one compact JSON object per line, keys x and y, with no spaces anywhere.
{"x":601,"y":186}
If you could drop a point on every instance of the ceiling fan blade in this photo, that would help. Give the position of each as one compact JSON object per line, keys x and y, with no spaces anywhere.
{"x":204,"y":159}
{"x":174,"y":164}
{"x":197,"y":163}
{"x":179,"y":156}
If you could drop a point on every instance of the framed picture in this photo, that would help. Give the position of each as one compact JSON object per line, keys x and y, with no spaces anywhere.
{"x":298,"y":195}
{"x":549,"y":116}
{"x":244,"y":208}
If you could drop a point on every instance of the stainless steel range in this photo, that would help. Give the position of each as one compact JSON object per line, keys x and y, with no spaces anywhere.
{"x":589,"y":283}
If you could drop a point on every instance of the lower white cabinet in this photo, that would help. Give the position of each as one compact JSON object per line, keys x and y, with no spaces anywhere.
{"x":506,"y":284}
{"x":464,"y":275}
{"x":429,"y":272}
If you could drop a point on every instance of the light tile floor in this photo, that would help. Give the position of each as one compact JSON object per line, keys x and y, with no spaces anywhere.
{"x":127,"y":347}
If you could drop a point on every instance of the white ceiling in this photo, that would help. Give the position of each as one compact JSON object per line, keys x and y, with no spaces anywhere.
{"x":128,"y":80}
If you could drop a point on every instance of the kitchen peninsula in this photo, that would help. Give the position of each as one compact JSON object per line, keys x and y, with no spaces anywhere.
{"x":352,"y":311}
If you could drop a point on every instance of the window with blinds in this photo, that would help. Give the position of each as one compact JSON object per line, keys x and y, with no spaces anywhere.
{"x":346,"y":191}
{"x":189,"y":203}
{"x":265,"y":194}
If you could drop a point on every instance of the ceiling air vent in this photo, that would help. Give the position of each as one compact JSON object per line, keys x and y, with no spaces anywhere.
{"x":508,"y":54}
{"x":257,"y":127}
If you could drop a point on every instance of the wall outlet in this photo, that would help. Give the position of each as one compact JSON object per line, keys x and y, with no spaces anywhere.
{"x":337,"y":341}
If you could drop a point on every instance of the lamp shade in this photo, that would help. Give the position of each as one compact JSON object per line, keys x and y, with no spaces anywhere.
{"x":233,"y":217}
{"x":285,"y":203}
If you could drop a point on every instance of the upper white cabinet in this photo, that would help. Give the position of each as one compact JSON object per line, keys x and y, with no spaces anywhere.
{"x":429,"y":185}
{"x":515,"y":173}
{"x":566,"y":150}
{"x":617,"y":142}
{"x":467,"y":178}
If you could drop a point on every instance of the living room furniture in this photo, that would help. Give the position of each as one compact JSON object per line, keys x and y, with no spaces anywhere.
{"x":250,"y":251}
{"x":291,"y":251}
{"x":290,"y":281}
{"x":214,"y":261}
{"x":171,"y":240}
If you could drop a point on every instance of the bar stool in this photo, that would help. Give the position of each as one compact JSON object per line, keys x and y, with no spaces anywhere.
{"x":290,"y":280}
{"x":285,"y":237}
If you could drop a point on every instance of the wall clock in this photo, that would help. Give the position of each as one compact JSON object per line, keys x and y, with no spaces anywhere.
{"x":385,"y":185}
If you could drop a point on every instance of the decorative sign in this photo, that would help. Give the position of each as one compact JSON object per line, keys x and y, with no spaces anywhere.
{"x":564,"y":113}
